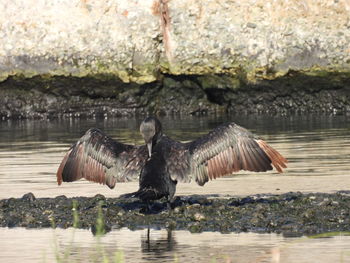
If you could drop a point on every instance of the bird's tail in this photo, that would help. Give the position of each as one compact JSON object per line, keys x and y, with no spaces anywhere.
{"x":129,"y":195}
{"x":144,"y":194}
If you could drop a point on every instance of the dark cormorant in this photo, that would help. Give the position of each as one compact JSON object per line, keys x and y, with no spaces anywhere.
{"x":163,"y":162}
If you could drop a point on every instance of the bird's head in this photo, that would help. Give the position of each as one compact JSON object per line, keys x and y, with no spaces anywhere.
{"x":151,"y":130}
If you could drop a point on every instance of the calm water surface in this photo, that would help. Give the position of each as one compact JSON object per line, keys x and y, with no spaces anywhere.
{"x":161,"y":246}
{"x":318,"y":150}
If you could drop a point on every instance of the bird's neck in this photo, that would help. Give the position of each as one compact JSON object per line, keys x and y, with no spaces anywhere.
{"x":157,"y":138}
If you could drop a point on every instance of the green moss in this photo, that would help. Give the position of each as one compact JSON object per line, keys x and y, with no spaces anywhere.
{"x":219,"y":81}
{"x":328,"y":73}
{"x":238,"y":72}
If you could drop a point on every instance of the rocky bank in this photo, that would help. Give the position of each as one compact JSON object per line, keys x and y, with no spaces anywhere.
{"x":104,"y":96}
{"x":290,"y":213}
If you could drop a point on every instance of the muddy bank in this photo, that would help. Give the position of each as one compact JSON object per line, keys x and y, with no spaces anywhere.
{"x":107,"y":96}
{"x":290,"y":213}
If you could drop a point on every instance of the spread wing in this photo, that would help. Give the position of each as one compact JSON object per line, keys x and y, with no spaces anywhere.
{"x":227,"y":149}
{"x":98,"y":158}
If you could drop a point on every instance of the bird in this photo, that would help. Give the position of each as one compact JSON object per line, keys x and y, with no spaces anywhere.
{"x":162,"y":162}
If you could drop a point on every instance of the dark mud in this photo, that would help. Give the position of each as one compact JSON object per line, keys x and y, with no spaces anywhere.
{"x":290,"y":213}
{"x":107,"y":96}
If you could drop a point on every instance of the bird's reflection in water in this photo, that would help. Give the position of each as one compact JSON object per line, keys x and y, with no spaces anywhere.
{"x":158,"y":243}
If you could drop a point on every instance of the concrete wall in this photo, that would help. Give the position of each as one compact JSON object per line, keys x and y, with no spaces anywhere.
{"x":136,"y":40}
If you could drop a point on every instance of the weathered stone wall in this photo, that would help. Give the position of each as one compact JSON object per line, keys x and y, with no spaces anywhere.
{"x":173,"y":56}
{"x":79,"y":38}
{"x":260,"y":38}
{"x":135,"y":40}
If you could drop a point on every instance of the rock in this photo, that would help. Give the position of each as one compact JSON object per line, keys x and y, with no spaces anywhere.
{"x":61,"y":198}
{"x":28,"y":197}
{"x":28,"y":220}
{"x":194,"y":228}
{"x":99,"y":198}
{"x":198,"y":217}
{"x":251,"y":25}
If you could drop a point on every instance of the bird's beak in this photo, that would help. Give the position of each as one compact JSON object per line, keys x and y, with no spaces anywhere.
{"x":149,"y":147}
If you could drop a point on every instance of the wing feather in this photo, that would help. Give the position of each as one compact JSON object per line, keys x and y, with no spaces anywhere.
{"x":278,"y":161}
{"x":225,"y":150}
{"x":261,"y":158}
{"x":98,"y":158}
{"x":236,"y":159}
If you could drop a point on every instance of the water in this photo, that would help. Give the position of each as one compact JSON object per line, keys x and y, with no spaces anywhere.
{"x":318,"y":150}
{"x":162,"y":246}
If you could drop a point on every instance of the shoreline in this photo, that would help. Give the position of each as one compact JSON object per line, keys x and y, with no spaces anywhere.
{"x":43,"y":97}
{"x":292,"y":214}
